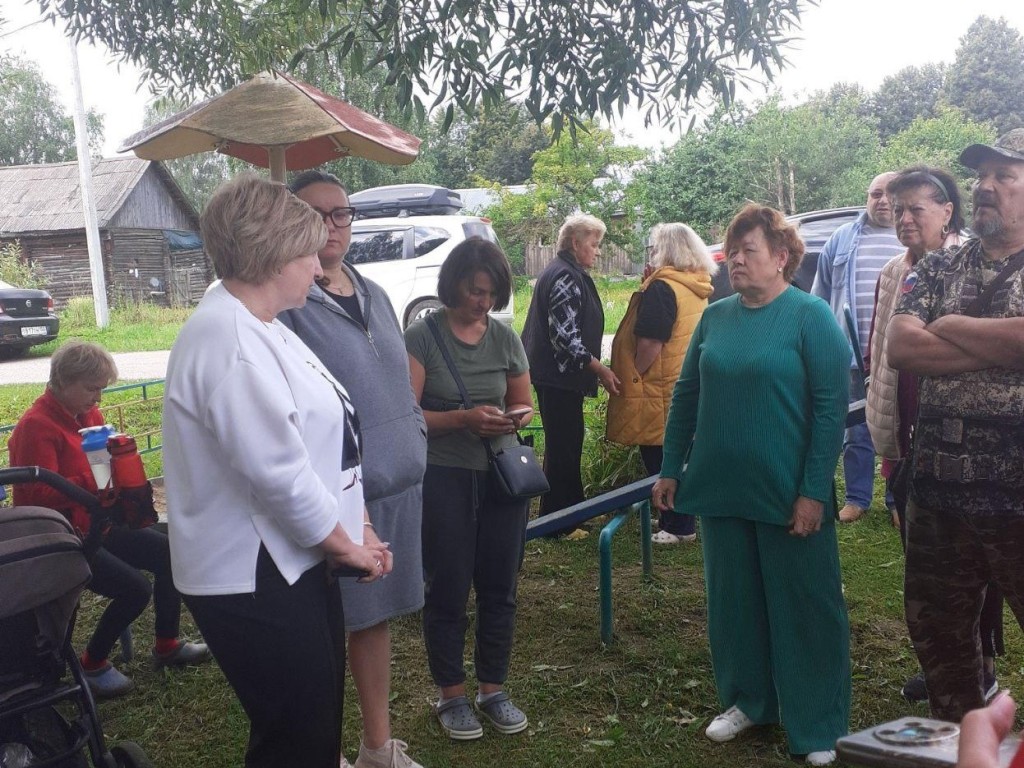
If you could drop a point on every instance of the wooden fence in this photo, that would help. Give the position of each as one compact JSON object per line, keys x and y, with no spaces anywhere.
{"x":614,"y":260}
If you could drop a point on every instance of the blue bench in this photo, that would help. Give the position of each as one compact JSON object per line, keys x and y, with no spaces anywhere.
{"x":630,"y":499}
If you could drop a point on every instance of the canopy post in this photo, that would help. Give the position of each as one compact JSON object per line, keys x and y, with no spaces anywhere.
{"x":277,"y":170}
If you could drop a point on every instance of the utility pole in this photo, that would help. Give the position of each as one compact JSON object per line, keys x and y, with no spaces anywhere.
{"x":92,"y":232}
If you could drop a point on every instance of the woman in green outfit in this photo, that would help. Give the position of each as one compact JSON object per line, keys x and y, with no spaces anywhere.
{"x":751,"y":444}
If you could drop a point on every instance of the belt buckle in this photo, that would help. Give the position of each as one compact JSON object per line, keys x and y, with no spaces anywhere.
{"x":952,"y":469}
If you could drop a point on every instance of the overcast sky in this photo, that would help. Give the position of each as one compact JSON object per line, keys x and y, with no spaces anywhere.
{"x":859,"y":41}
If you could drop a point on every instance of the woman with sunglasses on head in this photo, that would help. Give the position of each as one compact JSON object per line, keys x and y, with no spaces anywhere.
{"x":928,"y":215}
{"x":349,"y":323}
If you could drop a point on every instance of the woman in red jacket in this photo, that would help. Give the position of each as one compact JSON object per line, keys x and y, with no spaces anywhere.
{"x":47,"y":436}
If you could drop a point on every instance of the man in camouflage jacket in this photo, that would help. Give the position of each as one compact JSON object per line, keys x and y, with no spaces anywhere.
{"x":965,"y":520}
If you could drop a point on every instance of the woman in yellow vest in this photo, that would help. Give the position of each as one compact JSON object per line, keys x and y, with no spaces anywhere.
{"x":649,"y":348}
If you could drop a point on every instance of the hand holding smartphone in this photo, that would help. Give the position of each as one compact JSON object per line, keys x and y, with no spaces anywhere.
{"x":516,"y":413}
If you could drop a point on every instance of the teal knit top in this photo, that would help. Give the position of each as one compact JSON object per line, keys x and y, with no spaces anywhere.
{"x":759,"y":410}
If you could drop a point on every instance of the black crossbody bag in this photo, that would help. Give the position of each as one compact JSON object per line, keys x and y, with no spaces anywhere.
{"x":514,"y":470}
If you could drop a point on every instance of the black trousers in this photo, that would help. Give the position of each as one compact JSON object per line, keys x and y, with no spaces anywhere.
{"x":562,"y":413}
{"x":472,"y":537}
{"x":669,"y":521}
{"x":116,"y":574}
{"x":282,"y":650}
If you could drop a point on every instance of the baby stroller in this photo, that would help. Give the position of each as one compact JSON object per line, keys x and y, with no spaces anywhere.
{"x":45,"y":718}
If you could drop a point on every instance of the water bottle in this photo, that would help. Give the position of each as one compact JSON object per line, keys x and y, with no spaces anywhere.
{"x":94,"y":443}
{"x":125,"y":462}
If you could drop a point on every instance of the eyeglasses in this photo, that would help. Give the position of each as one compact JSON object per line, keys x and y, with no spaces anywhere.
{"x":340,"y":217}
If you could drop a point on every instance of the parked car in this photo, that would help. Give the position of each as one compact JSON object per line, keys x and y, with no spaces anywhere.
{"x":402,"y":235}
{"x":815,"y":229}
{"x":26,"y":319}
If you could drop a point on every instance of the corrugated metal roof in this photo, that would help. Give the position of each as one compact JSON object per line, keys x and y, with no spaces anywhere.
{"x":48,"y":198}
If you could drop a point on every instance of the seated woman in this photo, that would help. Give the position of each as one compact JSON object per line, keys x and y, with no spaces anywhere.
{"x":47,"y":436}
{"x":473,"y":536}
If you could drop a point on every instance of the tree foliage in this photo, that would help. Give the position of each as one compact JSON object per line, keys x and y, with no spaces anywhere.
{"x":985,"y":79}
{"x":811,"y":156}
{"x":911,"y":93}
{"x":563,"y":58}
{"x":501,"y":144}
{"x":34,"y":128}
{"x":695,"y":181}
{"x":587,"y":175}
{"x":938,"y":141}
{"x":490,"y":145}
{"x":815,"y":155}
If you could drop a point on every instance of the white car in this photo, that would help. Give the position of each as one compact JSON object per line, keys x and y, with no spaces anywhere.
{"x":403,"y":254}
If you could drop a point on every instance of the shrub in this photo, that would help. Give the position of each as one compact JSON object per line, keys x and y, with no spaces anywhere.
{"x":15,"y":270}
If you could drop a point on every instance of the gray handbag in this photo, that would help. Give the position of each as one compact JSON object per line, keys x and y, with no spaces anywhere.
{"x":514,"y":470}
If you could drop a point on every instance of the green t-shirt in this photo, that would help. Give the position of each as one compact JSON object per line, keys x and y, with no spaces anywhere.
{"x":483,"y":366}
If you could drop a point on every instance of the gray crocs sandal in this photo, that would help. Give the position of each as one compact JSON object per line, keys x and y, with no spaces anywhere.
{"x":457,"y":719}
{"x":503,"y":714}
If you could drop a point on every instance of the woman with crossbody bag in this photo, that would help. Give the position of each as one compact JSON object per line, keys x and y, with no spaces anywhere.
{"x":473,"y":535}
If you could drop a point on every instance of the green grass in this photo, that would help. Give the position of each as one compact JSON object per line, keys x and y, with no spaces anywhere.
{"x":643,"y":701}
{"x":133,"y":327}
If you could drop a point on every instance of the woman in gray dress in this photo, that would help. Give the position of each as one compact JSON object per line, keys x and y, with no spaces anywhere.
{"x":350,"y":325}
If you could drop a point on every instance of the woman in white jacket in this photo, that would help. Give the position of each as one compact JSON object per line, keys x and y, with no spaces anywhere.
{"x":264,"y":492}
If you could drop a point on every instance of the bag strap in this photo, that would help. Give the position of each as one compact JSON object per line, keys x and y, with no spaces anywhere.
{"x":980,"y":305}
{"x":435,"y":330}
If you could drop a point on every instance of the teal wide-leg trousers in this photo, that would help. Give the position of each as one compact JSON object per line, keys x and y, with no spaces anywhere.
{"x":778,"y":629}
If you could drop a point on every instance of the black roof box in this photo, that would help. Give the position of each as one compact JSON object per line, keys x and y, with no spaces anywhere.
{"x":405,"y":200}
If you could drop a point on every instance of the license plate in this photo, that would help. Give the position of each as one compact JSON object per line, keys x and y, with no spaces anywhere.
{"x":33,"y":330}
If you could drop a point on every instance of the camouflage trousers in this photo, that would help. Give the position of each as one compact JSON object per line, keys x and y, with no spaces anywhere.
{"x":950,"y":560}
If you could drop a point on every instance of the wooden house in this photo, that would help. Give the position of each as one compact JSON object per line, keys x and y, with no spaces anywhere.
{"x":148,"y":230}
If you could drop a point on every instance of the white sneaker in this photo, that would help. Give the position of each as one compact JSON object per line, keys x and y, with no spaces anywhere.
{"x":727,"y":725}
{"x":824,"y":757}
{"x":391,"y":755}
{"x":664,"y":537}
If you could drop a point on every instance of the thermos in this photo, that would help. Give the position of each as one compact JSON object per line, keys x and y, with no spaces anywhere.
{"x":126,"y":463}
{"x":94,"y":443}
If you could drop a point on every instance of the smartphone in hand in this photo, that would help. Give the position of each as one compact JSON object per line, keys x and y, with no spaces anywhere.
{"x":516,"y":413}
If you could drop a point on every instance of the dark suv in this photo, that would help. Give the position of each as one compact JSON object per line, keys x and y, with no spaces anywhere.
{"x":26,"y":318}
{"x":815,"y":229}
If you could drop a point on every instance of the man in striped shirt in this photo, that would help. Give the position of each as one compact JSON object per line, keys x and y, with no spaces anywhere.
{"x":847,"y":272}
